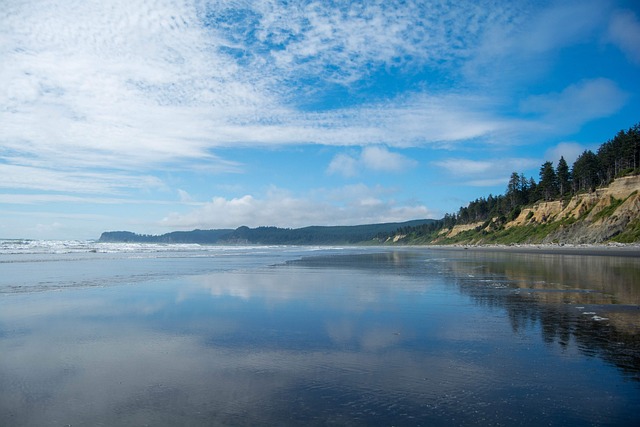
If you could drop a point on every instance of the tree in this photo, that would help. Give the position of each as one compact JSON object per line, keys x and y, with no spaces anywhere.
{"x":608,"y":160}
{"x":548,"y":184}
{"x":634,"y":135}
{"x":449,"y":220}
{"x":586,"y":172}
{"x":564,"y":177}
{"x":532,"y":191}
{"x":620,"y":155}
{"x":514,"y":191}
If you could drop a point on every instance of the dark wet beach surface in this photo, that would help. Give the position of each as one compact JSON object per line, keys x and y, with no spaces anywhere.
{"x":359,"y":336}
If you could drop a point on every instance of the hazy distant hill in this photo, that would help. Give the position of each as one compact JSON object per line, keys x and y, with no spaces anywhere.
{"x":314,"y":235}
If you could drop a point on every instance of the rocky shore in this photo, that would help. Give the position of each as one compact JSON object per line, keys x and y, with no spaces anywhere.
{"x":611,"y":249}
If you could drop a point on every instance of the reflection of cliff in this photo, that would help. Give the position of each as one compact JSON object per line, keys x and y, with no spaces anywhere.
{"x":615,"y":278}
{"x":564,"y":324}
{"x":591,"y":301}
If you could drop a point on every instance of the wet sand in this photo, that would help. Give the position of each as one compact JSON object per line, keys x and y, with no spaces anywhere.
{"x":306,"y":336}
{"x":632,"y":251}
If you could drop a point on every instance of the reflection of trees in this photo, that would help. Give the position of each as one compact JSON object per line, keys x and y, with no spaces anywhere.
{"x":552,"y":291}
{"x":616,"y":276}
{"x":555,"y":292}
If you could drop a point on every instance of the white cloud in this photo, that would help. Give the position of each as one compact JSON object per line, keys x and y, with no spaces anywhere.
{"x":103,"y":98}
{"x":373,"y":158}
{"x":348,"y":206}
{"x":341,"y":43}
{"x":353,"y":194}
{"x":624,"y":31}
{"x":185,"y":197}
{"x":32,"y":178}
{"x":343,"y":164}
{"x":485,"y":173}
{"x":48,"y":228}
{"x":577,"y":104}
{"x":491,"y":182}
{"x":133,"y":85}
{"x":26,"y":199}
{"x":524,"y":40}
{"x":465,"y":166}
{"x":117,"y":78}
{"x":569,"y":150}
{"x":381,"y":159}
{"x":562,"y":24}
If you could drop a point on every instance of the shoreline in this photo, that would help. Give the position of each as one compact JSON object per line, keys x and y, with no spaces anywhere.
{"x":631,"y":251}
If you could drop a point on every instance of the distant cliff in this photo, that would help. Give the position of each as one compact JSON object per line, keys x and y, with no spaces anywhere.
{"x":195,"y":236}
{"x":315,"y":235}
{"x":608,"y":214}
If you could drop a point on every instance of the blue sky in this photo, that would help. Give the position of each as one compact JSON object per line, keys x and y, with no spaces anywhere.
{"x":153,"y":116}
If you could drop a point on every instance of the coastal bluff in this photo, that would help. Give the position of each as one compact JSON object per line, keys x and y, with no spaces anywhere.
{"x":607,"y":214}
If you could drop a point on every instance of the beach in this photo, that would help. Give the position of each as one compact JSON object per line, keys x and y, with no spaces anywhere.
{"x":617,"y":250}
{"x":94,"y":334}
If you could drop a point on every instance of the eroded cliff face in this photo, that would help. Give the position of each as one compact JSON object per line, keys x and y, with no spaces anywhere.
{"x":599,"y":216}
{"x":595,"y":217}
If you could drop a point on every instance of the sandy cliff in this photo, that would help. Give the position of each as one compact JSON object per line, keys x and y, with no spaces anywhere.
{"x":595,"y":217}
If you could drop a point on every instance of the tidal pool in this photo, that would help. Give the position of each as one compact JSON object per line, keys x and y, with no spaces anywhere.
{"x":300,"y":336}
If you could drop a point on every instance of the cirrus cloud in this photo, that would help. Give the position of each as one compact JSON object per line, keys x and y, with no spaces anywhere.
{"x":132,"y":99}
{"x":577,"y":103}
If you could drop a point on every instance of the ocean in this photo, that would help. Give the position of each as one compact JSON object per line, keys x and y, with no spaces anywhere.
{"x":164,"y":335}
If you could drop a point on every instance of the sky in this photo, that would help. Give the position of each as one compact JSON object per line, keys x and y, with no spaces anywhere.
{"x":161,"y":115}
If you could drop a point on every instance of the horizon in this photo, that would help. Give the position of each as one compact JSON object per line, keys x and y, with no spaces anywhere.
{"x":189,"y":115}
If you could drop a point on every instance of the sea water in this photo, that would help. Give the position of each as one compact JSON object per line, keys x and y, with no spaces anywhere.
{"x":166,"y":335}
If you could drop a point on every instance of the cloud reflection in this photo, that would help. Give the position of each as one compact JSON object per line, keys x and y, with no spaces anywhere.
{"x":122,"y":367}
{"x":361,"y":291}
{"x":282,"y":345}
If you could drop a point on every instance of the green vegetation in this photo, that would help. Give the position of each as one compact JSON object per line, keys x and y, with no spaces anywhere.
{"x":615,"y":158}
{"x":271,"y":235}
{"x":631,"y":234}
{"x":609,"y":210}
{"x":530,"y":233}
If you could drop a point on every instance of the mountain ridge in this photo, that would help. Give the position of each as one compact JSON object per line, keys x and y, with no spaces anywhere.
{"x":311,"y":235}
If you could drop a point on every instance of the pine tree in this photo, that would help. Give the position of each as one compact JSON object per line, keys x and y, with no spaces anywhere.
{"x":548,"y":181}
{"x":586,"y":172}
{"x":564,"y":177}
{"x":532,"y":193}
{"x":524,"y":189}
{"x":514,"y":193}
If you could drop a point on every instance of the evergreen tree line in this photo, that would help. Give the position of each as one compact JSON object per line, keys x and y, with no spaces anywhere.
{"x":615,"y":158}
{"x":315,"y":235}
